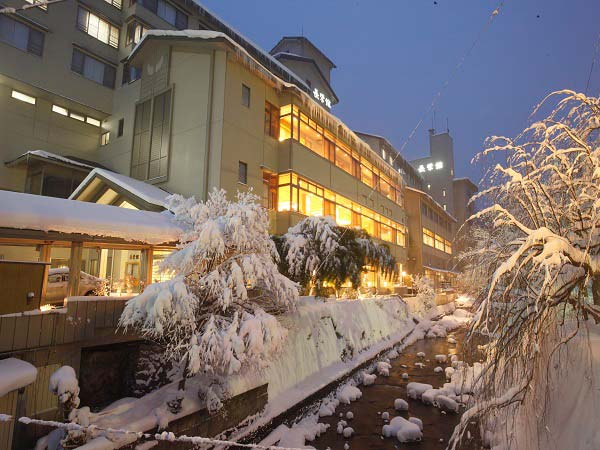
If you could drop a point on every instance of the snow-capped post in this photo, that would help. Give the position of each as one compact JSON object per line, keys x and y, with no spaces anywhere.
{"x":542,"y":253}
{"x":216,"y":313}
{"x":317,"y":250}
{"x":64,"y":384}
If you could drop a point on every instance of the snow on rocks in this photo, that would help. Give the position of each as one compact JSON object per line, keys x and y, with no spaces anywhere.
{"x":383,"y":368}
{"x":400,"y":405}
{"x":349,"y":415}
{"x":416,"y":421}
{"x":441,"y":359}
{"x":346,"y":446}
{"x":451,"y":340}
{"x":428,"y":397}
{"x":307,"y":429}
{"x":393,"y":354}
{"x":419,"y":365}
{"x":340,"y":426}
{"x":464,"y":301}
{"x":438,"y":369}
{"x":368,"y":379}
{"x":405,"y":376}
{"x":328,"y":407}
{"x":348,"y":432}
{"x":404,"y":430}
{"x":449,"y":372}
{"x":415,"y":390}
{"x":386,"y":415}
{"x":446,"y":403}
{"x":349,"y":394}
{"x":421,"y":354}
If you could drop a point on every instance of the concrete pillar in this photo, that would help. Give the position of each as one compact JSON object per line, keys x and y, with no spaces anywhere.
{"x":74,"y":268}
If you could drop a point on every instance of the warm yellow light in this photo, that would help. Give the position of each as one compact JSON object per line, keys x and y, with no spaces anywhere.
{"x":45,"y":307}
{"x":403,"y":273}
{"x":23,"y":97}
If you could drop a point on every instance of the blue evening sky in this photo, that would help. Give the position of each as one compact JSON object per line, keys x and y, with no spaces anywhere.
{"x":393,"y":56}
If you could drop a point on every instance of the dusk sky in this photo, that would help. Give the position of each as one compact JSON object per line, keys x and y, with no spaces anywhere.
{"x":393,"y":57}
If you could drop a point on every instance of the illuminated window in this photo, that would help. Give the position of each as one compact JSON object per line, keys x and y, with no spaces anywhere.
{"x":310,"y":204}
{"x":366,"y":176}
{"x":135,"y":31}
{"x":284,"y":198}
{"x":368,"y":225}
{"x":428,"y":237}
{"x":42,"y":6}
{"x":60,"y":110}
{"x":448,"y":246}
{"x":285,"y":127}
{"x":443,"y":192}
{"x":444,"y":207}
{"x":429,"y":187}
{"x":271,"y":120}
{"x":439,"y":242}
{"x":92,"y":121}
{"x":310,"y":136}
{"x":383,"y":153}
{"x":343,"y":160}
{"x":343,"y":216}
{"x":76,"y":116}
{"x":400,"y":238}
{"x":386,"y":233}
{"x":105,"y":138}
{"x":98,"y":28}
{"x":125,"y":204}
{"x":23,"y":97}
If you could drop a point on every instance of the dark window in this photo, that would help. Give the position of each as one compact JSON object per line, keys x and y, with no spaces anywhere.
{"x":271,"y":120}
{"x":243,"y":172}
{"x":152,"y":129}
{"x":21,"y":36}
{"x":93,"y":69}
{"x":121,"y":125}
{"x":245,"y":96}
{"x":131,"y":73}
{"x":167,"y":12}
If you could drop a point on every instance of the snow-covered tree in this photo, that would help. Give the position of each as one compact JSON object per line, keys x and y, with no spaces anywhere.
{"x":214,"y":315}
{"x":542,"y":258}
{"x":317,"y":250}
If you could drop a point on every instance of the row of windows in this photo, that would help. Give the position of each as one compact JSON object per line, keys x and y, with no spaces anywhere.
{"x":296,"y":125}
{"x":21,"y":36}
{"x":57,"y":109}
{"x":297,"y":194}
{"x":435,"y":240}
{"x":426,"y":211}
{"x":98,"y":28}
{"x":165,"y":11}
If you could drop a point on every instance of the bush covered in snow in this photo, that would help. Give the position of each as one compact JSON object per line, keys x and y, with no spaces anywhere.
{"x":317,"y":250}
{"x":214,"y":314}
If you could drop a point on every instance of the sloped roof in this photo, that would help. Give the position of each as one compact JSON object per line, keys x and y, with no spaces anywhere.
{"x":307,"y":41}
{"x":144,"y":191}
{"x":45,"y":155}
{"x":35,"y":212}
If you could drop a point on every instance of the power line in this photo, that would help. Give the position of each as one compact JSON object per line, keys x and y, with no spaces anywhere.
{"x":166,"y":436}
{"x":434,"y":102}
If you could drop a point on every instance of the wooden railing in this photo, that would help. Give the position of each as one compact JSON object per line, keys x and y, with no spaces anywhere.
{"x":82,"y":319}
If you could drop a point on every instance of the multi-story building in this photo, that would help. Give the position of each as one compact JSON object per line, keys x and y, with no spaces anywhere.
{"x":437,"y":172}
{"x":431,"y":231}
{"x":186,"y":111}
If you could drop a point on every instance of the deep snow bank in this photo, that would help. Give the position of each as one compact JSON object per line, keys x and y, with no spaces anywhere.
{"x":569,"y":419}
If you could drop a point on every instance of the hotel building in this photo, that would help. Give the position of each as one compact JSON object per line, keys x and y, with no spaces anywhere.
{"x":185,"y":111}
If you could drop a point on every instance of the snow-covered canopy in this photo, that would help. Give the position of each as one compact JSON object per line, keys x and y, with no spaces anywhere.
{"x":146,"y":192}
{"x":34,"y":212}
{"x":43,"y":154}
{"x":15,"y":374}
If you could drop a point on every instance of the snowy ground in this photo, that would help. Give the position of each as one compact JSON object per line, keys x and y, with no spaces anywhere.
{"x":326,"y":341}
{"x":309,"y":427}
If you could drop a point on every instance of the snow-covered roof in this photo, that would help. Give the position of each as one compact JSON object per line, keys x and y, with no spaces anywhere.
{"x":437,"y":269}
{"x":35,"y":212}
{"x":147,"y":192}
{"x":43,"y":154}
{"x":16,"y":374}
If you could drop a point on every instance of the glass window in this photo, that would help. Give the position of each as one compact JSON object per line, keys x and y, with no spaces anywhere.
{"x":42,"y":6}
{"x":439,"y":243}
{"x":343,"y":160}
{"x":310,"y":204}
{"x":368,"y":225}
{"x":135,"y":31}
{"x":283,"y":198}
{"x":343,"y":216}
{"x":107,"y":271}
{"x":245,"y":96}
{"x":271,"y":120}
{"x":366,"y":176}
{"x":311,"y":138}
{"x":159,"y":275}
{"x":386,"y":233}
{"x":98,"y":28}
{"x":21,"y":36}
{"x":242,"y":172}
{"x":93,"y":69}
{"x":428,"y":237}
{"x":400,"y":238}
{"x":167,"y":12}
{"x":285,"y":127}
{"x":19,"y":253}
